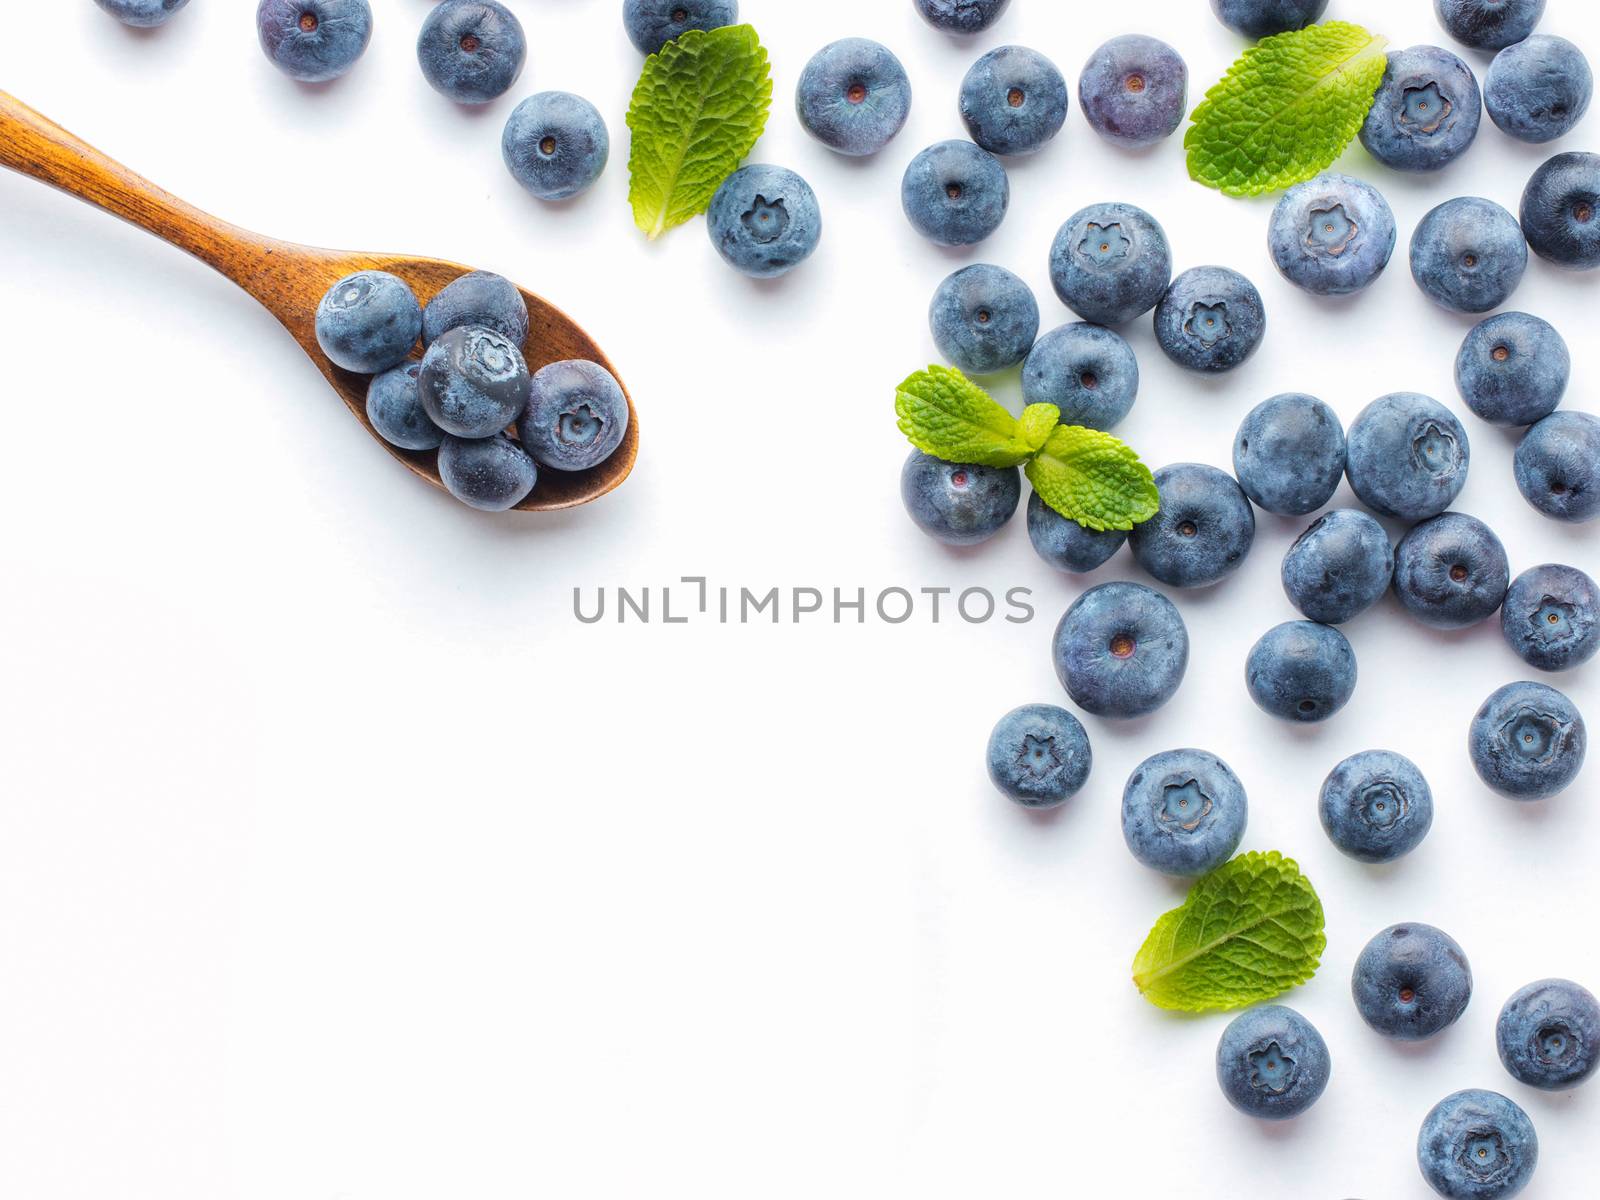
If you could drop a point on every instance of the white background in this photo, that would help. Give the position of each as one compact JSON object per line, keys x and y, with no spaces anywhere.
{"x":337,"y":860}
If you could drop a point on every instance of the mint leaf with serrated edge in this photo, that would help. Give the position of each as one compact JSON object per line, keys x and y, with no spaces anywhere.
{"x":699,"y":108}
{"x":1286,"y":109}
{"x":1036,"y":423}
{"x":1094,"y":479}
{"x":1247,"y":932}
{"x":945,"y":414}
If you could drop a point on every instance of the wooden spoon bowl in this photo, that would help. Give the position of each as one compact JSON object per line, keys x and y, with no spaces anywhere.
{"x":290,"y":279}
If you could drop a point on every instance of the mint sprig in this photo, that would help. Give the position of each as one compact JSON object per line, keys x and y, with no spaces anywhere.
{"x":1286,"y":109}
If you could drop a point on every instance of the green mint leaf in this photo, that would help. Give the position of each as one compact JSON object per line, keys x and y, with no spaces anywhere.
{"x":1249,"y":931}
{"x":1092,"y":478}
{"x":699,"y":108}
{"x":945,"y":414}
{"x":1036,"y":423}
{"x":1286,"y":109}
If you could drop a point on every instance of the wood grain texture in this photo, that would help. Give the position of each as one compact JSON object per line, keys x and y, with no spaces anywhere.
{"x":288,"y":280}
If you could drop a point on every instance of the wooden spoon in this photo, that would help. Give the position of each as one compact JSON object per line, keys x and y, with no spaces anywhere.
{"x":289,"y":280}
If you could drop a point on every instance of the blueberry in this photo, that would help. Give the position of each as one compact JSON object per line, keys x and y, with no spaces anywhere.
{"x":1539,"y":89}
{"x":1134,"y":90}
{"x":955,"y":193}
{"x":1263,"y":18}
{"x":1477,"y":1145}
{"x":1087,"y":371}
{"x":1203,"y":531}
{"x":984,"y":319}
{"x":1557,"y":466}
{"x":651,"y":24}
{"x":474,"y":382}
{"x":853,"y":96}
{"x":1468,"y":254}
{"x":1111,"y":263}
{"x":1331,"y":235}
{"x":1301,"y":671}
{"x":1549,"y":1035}
{"x":1121,"y":650}
{"x":1528,"y":741}
{"x":368,"y":322}
{"x":1210,"y":319}
{"x":1272,"y":1063}
{"x":1013,"y":100}
{"x":1411,"y":982}
{"x":1289,"y":454}
{"x":1451,"y":571}
{"x":576,"y":417}
{"x":1407,"y":456}
{"x":1067,"y":545}
{"x":1551,"y":617}
{"x":480,"y":298}
{"x":1513,"y":369}
{"x":142,"y":14}
{"x":1376,"y":806}
{"x":959,"y":504}
{"x":314,"y":40}
{"x":1561,"y":211}
{"x":1339,"y":567}
{"x":555,"y":144}
{"x":1488,"y":24}
{"x":1426,"y":113}
{"x":961,"y":16}
{"x":472,"y":50}
{"x":1039,"y":755}
{"x":395,"y":409}
{"x":492,"y":474}
{"x":1183,"y":812}
{"x":764,"y":220}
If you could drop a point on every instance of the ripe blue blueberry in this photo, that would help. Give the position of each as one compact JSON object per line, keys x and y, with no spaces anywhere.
{"x":1549,"y":1035}
{"x":984,"y":319}
{"x":1477,"y":1145}
{"x":1111,"y":263}
{"x":1067,"y":545}
{"x":1134,"y":90}
{"x":491,"y":474}
{"x":1039,"y":755}
{"x":1121,"y":650}
{"x":961,"y":16}
{"x":1512,"y":369}
{"x":1013,"y":100}
{"x":955,"y":193}
{"x":1301,"y":671}
{"x":853,"y":96}
{"x":1468,"y":254}
{"x":576,"y":417}
{"x":474,"y":382}
{"x":1289,"y":454}
{"x":1537,"y":90}
{"x":1272,"y":1063}
{"x":394,"y":407}
{"x":1488,"y":24}
{"x":471,"y":50}
{"x":651,"y":24}
{"x":1407,"y":456}
{"x":1411,"y":982}
{"x":142,"y":14}
{"x":1376,"y":806}
{"x":1087,"y":371}
{"x":1451,"y":571}
{"x":1561,"y":211}
{"x":555,"y":144}
{"x":1551,"y":617}
{"x":1528,"y":741}
{"x":1331,"y":235}
{"x":1184,"y":812}
{"x":1557,"y":466}
{"x":368,"y":322}
{"x":1203,"y":530}
{"x":1427,"y":111}
{"x":1210,"y":319}
{"x":480,"y":298}
{"x":764,"y":220}
{"x":1339,"y":567}
{"x":1263,"y":18}
{"x":959,"y":504}
{"x":314,"y":40}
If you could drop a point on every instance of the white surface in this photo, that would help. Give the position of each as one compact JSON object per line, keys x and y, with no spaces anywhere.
{"x":338,"y":860}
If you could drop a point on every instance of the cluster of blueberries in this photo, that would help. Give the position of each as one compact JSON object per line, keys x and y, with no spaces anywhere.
{"x":471,"y":385}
